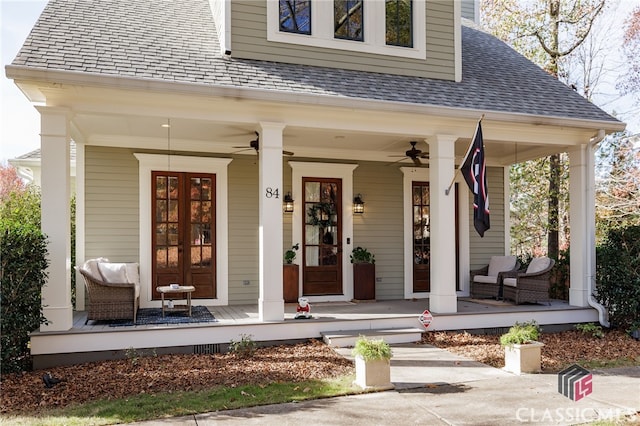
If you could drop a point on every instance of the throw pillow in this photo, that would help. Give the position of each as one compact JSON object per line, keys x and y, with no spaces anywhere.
{"x":114,"y":272}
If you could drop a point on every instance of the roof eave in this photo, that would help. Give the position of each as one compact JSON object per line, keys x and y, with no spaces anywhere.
{"x":30,"y":75}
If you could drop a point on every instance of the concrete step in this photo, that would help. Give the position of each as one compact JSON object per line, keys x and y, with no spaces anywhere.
{"x":347,"y":338}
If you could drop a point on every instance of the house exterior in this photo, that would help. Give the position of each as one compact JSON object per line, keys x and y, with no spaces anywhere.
{"x":163,"y":99}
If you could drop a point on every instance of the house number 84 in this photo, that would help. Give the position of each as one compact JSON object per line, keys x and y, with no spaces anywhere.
{"x":271,"y":193}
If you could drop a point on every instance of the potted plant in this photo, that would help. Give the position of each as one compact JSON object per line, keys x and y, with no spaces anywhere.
{"x":522,"y":351}
{"x":373,"y":363}
{"x":364,"y":274}
{"x":290,"y":275}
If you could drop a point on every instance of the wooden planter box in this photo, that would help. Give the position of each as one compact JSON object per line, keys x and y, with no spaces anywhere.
{"x":364,"y":281}
{"x":374,"y":374}
{"x":290,"y":277}
{"x":523,"y":358}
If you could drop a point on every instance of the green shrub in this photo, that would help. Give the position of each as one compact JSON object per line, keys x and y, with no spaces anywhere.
{"x":362,"y":255}
{"x":594,"y":330}
{"x":618,"y":276}
{"x":371,"y":349}
{"x":521,"y":333}
{"x":245,"y":347}
{"x":23,"y":251}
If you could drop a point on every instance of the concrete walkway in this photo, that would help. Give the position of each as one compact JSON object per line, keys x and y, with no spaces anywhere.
{"x":435,"y":387}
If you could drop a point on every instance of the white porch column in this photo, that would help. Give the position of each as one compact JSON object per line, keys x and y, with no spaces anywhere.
{"x":56,"y":216}
{"x":271,"y":301}
{"x":442,"y":297}
{"x":582,"y":223}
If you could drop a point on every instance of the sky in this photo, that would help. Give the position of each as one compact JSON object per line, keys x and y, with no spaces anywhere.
{"x":19,"y":120}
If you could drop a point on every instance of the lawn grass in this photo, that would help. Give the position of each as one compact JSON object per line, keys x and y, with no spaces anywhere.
{"x":162,"y":405}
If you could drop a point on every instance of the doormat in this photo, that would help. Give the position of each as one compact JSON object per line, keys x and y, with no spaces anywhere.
{"x":152,"y":316}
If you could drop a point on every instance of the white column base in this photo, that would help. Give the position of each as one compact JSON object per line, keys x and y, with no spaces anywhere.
{"x":443,"y":304}
{"x":60,"y":318}
{"x":578,"y":297}
{"x":270,"y":310}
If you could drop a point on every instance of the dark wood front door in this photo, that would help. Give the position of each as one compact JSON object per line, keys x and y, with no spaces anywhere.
{"x":421,"y":237}
{"x":184,"y":252}
{"x":322,"y":236}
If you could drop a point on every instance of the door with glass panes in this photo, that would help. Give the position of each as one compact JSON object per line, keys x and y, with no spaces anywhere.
{"x":420,"y":201}
{"x":183,"y":211}
{"x":322,"y":236}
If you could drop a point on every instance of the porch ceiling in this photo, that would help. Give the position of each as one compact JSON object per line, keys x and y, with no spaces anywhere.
{"x":218,"y":137}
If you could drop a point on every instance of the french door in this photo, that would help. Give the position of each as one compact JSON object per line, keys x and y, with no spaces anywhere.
{"x":183,"y":235}
{"x":420,"y":201}
{"x":322,"y":237}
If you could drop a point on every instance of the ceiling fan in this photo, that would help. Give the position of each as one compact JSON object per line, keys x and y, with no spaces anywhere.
{"x":255,"y":144}
{"x":414,"y":154}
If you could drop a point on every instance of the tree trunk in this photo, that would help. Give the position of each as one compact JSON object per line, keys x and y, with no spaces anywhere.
{"x":553,"y":245}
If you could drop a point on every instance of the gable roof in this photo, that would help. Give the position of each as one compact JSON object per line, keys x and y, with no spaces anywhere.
{"x":176,"y":42}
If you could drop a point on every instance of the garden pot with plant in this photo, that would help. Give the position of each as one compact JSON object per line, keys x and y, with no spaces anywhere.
{"x":522,"y":351}
{"x":290,"y":275}
{"x":373,"y":363}
{"x":364,"y":274}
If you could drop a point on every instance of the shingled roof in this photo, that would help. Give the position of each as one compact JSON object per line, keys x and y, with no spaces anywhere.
{"x":176,"y":41}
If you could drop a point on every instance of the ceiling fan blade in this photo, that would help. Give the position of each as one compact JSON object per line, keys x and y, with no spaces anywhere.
{"x":396,"y":162}
{"x":289,"y":153}
{"x":417,"y":161}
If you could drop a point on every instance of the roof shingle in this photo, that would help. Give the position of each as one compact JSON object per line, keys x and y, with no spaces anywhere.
{"x":176,"y":41}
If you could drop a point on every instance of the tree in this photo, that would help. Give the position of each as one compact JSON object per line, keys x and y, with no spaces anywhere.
{"x":618,"y":183}
{"x":545,"y":32}
{"x":10,"y":182}
{"x":630,"y":82}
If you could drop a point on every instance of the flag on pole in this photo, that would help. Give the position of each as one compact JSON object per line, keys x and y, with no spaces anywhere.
{"x":474,"y":170}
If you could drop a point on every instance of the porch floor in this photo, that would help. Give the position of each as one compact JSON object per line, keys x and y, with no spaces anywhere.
{"x":345,"y":311}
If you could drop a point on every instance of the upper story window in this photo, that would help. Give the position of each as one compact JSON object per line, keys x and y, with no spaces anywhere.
{"x":389,"y":27}
{"x":399,"y":20}
{"x":348,"y":19}
{"x":295,"y":16}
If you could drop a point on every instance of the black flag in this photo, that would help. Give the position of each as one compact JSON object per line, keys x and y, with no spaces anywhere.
{"x":474,"y":170}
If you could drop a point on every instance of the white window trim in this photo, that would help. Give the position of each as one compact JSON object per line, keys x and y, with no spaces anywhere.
{"x":217,"y":166}
{"x":326,"y":170}
{"x":374,"y":24}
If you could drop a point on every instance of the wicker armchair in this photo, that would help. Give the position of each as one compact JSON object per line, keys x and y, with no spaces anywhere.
{"x":531,"y":285}
{"x":116,"y":296}
{"x":487,"y":282}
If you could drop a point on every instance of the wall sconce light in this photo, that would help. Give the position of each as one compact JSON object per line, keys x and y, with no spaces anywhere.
{"x":287,"y":204}
{"x":358,"y":205}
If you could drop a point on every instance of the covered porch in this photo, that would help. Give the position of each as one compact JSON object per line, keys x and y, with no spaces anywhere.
{"x":93,"y":341}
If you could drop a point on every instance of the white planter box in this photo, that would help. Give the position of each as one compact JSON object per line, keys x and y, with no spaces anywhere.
{"x":523,"y":358}
{"x":373,"y":374}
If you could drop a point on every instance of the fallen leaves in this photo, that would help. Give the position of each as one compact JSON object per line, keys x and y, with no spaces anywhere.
{"x":25,"y":392}
{"x":560,"y":350}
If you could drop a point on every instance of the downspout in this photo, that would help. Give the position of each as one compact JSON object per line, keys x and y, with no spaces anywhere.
{"x":603,"y":315}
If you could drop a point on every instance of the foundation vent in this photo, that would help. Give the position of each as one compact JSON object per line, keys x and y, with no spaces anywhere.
{"x":212,"y":348}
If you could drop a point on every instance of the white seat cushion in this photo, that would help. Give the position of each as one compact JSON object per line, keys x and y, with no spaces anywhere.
{"x":485,"y":279}
{"x":499,"y":264}
{"x":538,"y":264}
{"x":511,"y":282}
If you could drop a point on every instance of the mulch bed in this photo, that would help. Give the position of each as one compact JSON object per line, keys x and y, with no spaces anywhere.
{"x":560,"y":350}
{"x":26,"y":393}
